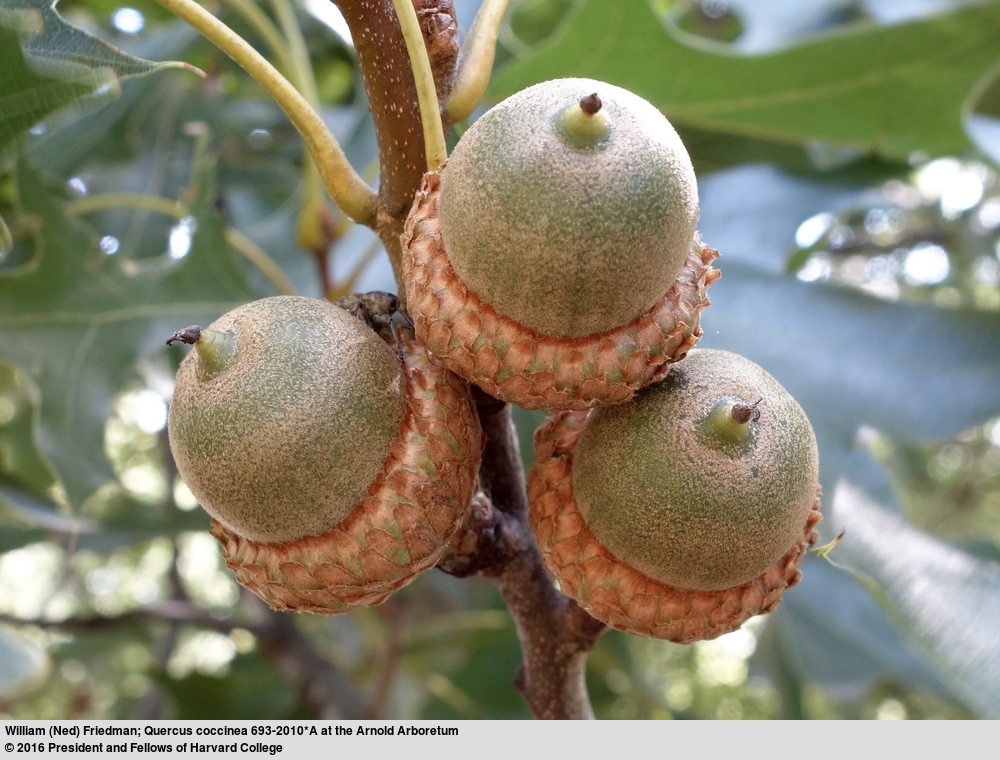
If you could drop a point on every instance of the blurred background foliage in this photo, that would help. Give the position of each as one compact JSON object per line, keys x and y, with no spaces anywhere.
{"x":847,"y":153}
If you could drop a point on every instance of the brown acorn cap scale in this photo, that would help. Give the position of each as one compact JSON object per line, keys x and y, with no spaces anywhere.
{"x":612,"y":590}
{"x":388,"y":539}
{"x":534,"y":371}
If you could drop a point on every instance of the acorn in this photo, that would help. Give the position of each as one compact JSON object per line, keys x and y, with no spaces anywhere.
{"x":335,"y":464}
{"x":686,"y":511}
{"x":553,"y":261}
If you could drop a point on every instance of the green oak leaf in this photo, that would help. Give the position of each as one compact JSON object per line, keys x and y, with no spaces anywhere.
{"x":885,"y":90}
{"x":251,"y":688}
{"x":20,"y":461}
{"x":76,"y":320}
{"x":832,"y":632}
{"x":47,"y":63}
{"x":6,"y":239}
{"x":908,"y":370}
{"x":944,"y":602}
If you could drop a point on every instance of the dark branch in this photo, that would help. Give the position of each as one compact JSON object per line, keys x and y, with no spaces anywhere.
{"x":392,"y":96}
{"x":440,"y":28}
{"x":325,"y":691}
{"x":164,"y":612}
{"x":481,"y":544}
{"x":555,"y":633}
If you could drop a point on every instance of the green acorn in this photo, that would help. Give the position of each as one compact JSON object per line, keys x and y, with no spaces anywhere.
{"x":553,"y":261}
{"x":334,"y":472}
{"x":686,"y":511}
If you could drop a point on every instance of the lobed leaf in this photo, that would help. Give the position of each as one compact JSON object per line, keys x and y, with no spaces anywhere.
{"x":851,"y":360}
{"x":47,"y":63}
{"x":834,"y":634}
{"x":76,"y":321}
{"x":886,"y":90}
{"x":943,"y":601}
{"x":21,"y":464}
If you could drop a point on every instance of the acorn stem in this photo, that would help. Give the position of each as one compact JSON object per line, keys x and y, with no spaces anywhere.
{"x":584,"y":124}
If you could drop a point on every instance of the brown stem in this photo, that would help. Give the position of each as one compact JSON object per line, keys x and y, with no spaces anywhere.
{"x":555,"y":633}
{"x":392,"y":96}
{"x":440,"y":28}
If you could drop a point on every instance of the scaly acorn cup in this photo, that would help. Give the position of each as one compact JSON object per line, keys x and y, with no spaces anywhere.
{"x":685,"y":512}
{"x":334,"y":471}
{"x":553,"y":261}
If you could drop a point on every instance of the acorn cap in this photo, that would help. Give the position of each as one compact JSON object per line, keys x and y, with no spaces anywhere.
{"x":400,"y":528}
{"x":613,"y":591}
{"x":534,"y":371}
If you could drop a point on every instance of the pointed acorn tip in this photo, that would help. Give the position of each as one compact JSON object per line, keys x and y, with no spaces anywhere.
{"x":590,"y":104}
{"x":189,"y":335}
{"x":744,"y":413}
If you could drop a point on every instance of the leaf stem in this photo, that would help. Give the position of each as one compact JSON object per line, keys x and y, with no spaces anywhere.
{"x":346,"y":188}
{"x":304,"y":77}
{"x":475,"y":61}
{"x":109,"y":201}
{"x":312,"y":228}
{"x":269,"y":33}
{"x":249,"y":250}
{"x":430,"y":111}
{"x":258,"y":257}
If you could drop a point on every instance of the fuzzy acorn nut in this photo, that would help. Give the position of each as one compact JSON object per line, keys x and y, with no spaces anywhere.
{"x":685,"y":512}
{"x":336,"y":466}
{"x":554,"y":261}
